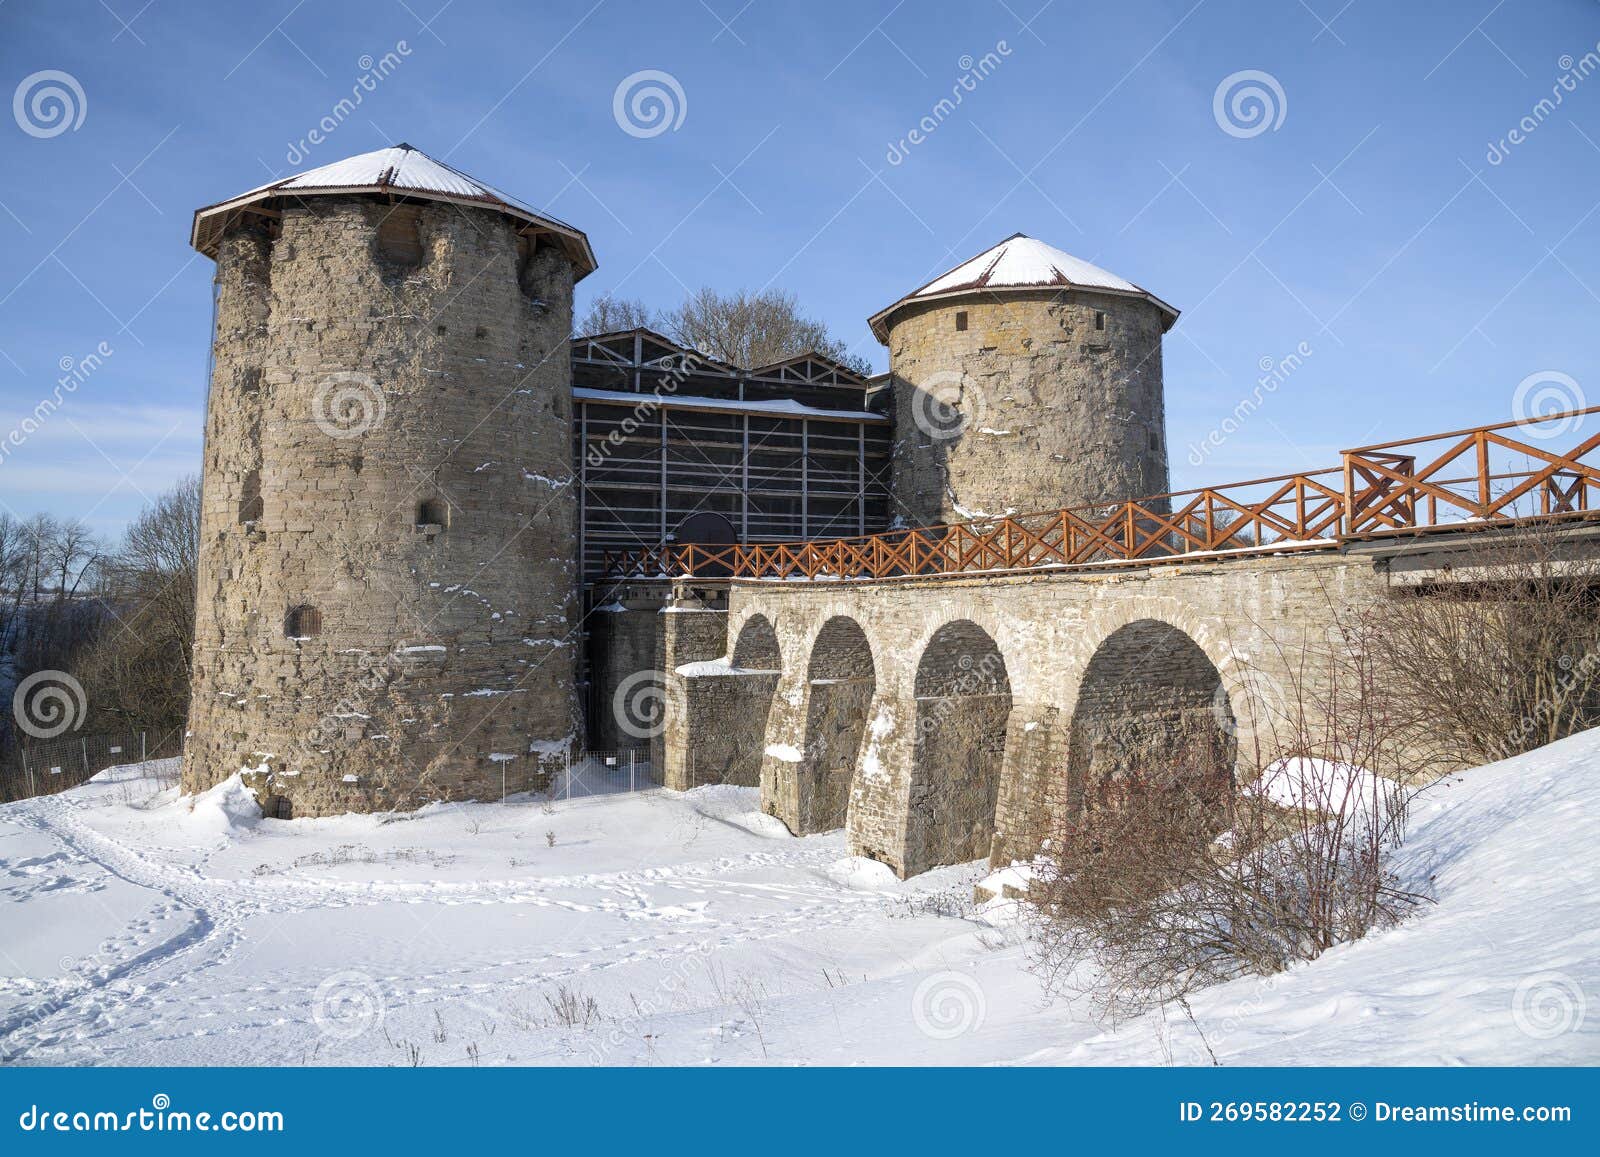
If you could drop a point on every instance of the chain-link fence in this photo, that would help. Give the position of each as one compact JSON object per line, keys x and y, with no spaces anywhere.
{"x":581,"y":774}
{"x":37,"y":768}
{"x":46,"y":768}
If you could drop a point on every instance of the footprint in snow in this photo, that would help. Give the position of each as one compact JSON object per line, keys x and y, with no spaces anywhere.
{"x":693,"y":912}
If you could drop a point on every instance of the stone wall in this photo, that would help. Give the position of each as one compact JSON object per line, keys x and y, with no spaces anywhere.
{"x":962,"y":705}
{"x":1051,"y":409}
{"x":386,"y":610}
{"x":694,"y":629}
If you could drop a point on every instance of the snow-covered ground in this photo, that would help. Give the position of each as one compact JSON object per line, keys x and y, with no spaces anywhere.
{"x":138,"y":927}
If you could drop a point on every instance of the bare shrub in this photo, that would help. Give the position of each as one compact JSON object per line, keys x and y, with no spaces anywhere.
{"x":1169,"y":879}
{"x":571,"y":1008}
{"x":1502,"y":650}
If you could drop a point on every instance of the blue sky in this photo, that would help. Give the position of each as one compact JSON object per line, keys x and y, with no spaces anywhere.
{"x":1367,"y":225}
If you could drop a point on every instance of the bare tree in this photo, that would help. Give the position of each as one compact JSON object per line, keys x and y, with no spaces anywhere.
{"x":753,"y":329}
{"x":608,"y":314}
{"x":14,"y":557}
{"x":50,"y":605}
{"x":138,"y":673}
{"x":73,"y":552}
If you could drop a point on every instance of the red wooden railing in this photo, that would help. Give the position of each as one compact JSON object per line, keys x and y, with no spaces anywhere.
{"x":1406,"y":487}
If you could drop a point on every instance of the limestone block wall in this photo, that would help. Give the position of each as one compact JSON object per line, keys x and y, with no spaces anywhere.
{"x":1049,"y":401}
{"x":837,"y":711}
{"x":731,"y":709}
{"x":720,"y":703}
{"x":692,"y":631}
{"x":387,"y":584}
{"x":1131,"y":731}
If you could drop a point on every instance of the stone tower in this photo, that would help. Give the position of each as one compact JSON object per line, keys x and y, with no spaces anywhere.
{"x":387,"y":591}
{"x":1024,"y":379}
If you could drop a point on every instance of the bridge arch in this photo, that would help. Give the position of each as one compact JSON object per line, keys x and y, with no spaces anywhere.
{"x":1151,"y":712}
{"x":1009,"y":635}
{"x":963,"y":701}
{"x":755,"y":647}
{"x":841,"y":679}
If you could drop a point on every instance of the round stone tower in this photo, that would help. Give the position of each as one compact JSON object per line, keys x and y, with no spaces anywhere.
{"x":1024,"y":379}
{"x":387,"y":587}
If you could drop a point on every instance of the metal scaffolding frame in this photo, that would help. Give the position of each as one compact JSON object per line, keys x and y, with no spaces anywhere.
{"x":796,"y":449}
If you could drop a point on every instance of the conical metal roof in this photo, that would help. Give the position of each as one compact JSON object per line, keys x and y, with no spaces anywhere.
{"x":1018,"y":263}
{"x":398,"y":171}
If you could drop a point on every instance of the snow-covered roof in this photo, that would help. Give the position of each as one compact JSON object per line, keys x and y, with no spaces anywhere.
{"x":1019,"y":263}
{"x":399,"y":171}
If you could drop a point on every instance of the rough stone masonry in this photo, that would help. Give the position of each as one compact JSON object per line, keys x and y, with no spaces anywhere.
{"x":1012,"y":401}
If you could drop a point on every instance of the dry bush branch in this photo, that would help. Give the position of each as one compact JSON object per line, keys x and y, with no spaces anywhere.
{"x":1502,"y":652}
{"x":1171,"y":878}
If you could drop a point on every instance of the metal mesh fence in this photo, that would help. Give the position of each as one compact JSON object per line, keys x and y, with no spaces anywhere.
{"x":582,"y":774}
{"x":47,"y":767}
{"x":43,"y":768}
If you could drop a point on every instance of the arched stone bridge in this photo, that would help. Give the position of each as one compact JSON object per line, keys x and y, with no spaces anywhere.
{"x":944,"y":720}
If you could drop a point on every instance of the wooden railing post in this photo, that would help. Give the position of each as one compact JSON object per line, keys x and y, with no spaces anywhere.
{"x":1483,"y":470}
{"x":1347,"y":517}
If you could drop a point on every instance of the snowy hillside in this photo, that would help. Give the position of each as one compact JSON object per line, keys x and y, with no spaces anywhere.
{"x":689,"y":929}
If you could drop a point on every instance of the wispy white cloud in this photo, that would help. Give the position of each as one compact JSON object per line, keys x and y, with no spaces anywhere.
{"x":99,"y":462}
